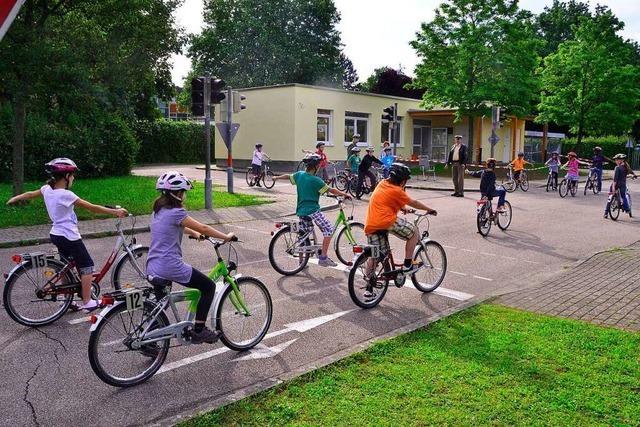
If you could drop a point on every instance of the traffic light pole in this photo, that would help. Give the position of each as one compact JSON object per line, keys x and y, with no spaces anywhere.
{"x":394,"y":139}
{"x":207,"y":138}
{"x":229,"y":138}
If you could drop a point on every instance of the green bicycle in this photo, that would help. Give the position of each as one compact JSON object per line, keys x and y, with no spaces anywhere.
{"x":293,"y":244}
{"x":130,"y":338}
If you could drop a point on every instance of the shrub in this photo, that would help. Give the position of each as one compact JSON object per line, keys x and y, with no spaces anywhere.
{"x":170,"y":141}
{"x":611,"y":145}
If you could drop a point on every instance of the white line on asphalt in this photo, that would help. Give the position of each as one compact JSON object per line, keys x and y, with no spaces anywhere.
{"x":457,"y":295}
{"x":508,"y":257}
{"x":483,"y":278}
{"x":457,"y":272}
{"x":189,"y":360}
{"x":487,"y":254}
{"x":449,"y":247}
{"x":467,"y":250}
{"x":79,"y":320}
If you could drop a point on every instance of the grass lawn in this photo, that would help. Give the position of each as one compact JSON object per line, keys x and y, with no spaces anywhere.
{"x":135,"y":193}
{"x":487,"y":365}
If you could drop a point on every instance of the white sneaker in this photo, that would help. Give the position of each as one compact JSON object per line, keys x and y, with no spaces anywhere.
{"x":326,"y":262}
{"x":90,"y":306}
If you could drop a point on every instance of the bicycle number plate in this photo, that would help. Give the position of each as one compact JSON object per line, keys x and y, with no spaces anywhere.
{"x":375,"y":251}
{"x":38,"y":259}
{"x":134,"y":300}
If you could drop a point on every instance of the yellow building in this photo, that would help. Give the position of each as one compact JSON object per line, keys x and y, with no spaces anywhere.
{"x":290,"y":118}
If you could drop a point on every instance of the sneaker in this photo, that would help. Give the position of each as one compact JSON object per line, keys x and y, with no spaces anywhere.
{"x":606,"y":216}
{"x":630,"y":214}
{"x":501,"y":209}
{"x":206,"y":335}
{"x":368,"y":295}
{"x":454,"y":194}
{"x":326,"y":262}
{"x":258,"y":184}
{"x":90,"y":306}
{"x":414,"y":267}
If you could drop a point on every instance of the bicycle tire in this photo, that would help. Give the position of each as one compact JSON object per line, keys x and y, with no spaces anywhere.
{"x":563,"y":188}
{"x":549,"y":183}
{"x":504,"y":219}
{"x":595,"y":187}
{"x":301,"y":166}
{"x":15,"y":309}
{"x":303,"y":258}
{"x":342,"y":182}
{"x":524,"y":184}
{"x":267,"y":180}
{"x":586,"y":185}
{"x":614,"y":208}
{"x":357,"y":275}
{"x":483,"y":221}
{"x":96,"y":344}
{"x":344,"y":252}
{"x":224,"y":318}
{"x":573,"y":188}
{"x":430,"y":284}
{"x":249,"y":177}
{"x":509,"y":185}
{"x":118,"y":282}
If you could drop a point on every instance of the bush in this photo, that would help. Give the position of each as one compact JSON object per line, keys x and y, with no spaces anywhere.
{"x":101,"y":145}
{"x":611,"y":145}
{"x":170,"y":141}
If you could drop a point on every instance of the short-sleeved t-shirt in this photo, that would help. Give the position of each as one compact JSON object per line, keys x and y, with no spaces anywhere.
{"x":386,"y":201}
{"x":572,"y":167}
{"x":620,"y":176}
{"x":309,"y":188}
{"x":598,"y":161}
{"x":518,"y":164}
{"x":59,"y":203}
{"x":165,"y":254}
{"x":257,"y":158}
{"x":354,"y":162}
{"x":323,"y":158}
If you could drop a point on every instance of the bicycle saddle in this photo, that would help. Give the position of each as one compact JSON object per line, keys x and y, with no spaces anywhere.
{"x":161,"y":287}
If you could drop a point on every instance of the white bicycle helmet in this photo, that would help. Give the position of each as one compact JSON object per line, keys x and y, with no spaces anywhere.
{"x":61,"y":165}
{"x":173,"y":181}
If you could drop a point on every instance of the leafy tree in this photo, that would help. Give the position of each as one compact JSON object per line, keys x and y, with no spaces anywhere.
{"x":558,"y":22}
{"x":256,"y":43}
{"x":349,"y":74}
{"x":389,"y":81}
{"x":591,"y":82}
{"x":475,"y":51}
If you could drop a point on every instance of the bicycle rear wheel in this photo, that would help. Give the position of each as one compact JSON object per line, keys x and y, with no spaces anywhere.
{"x":483,"y":220}
{"x":366,"y":284}
{"x":586,"y":185}
{"x":112,"y":346}
{"x":284,"y":254}
{"x":23,"y":300}
{"x":434,"y":266}
{"x":242,"y":330}
{"x":343,"y":247}
{"x":563,"y":188}
{"x":267,"y":180}
{"x":125,"y":274}
{"x":573,"y":188}
{"x":504,"y":218}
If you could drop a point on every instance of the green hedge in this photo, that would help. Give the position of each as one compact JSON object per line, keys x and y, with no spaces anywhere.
{"x":611,"y":145}
{"x":102,"y":145}
{"x":169,"y":141}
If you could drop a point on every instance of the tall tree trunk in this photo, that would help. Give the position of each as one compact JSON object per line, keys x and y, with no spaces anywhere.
{"x":470,"y":140}
{"x":19,"y":112}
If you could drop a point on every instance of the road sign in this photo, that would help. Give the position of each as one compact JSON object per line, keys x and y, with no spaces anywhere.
{"x":8,"y":12}
{"x":227,"y":137}
{"x":493,"y":139}
{"x":629,"y":143}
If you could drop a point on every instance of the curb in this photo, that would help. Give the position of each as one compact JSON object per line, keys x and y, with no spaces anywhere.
{"x":416,"y":187}
{"x":143,"y":229}
{"x":269,"y":383}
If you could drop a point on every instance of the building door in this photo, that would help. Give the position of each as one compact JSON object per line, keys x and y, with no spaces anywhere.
{"x":421,"y":140}
{"x":439,"y":145}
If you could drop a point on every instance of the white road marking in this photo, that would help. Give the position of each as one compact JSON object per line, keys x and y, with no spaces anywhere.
{"x":263,"y":352}
{"x":189,"y":360}
{"x":450,"y":293}
{"x":487,"y":254}
{"x":483,"y":278}
{"x":339,"y":267}
{"x":449,"y":247}
{"x":457,"y":272}
{"x":468,"y":250}
{"x":79,"y":320}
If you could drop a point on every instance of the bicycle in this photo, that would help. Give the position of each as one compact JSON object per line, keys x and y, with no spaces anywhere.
{"x":568,"y":186}
{"x":372,"y":270}
{"x":486,"y":216}
{"x":292,"y":245}
{"x":40,"y":288}
{"x":130,"y":338}
{"x":331,"y":171}
{"x":511,"y":184}
{"x":615,"y":205}
{"x":592,"y":182}
{"x":551,"y":182}
{"x":266,"y":176}
{"x":345,"y":179}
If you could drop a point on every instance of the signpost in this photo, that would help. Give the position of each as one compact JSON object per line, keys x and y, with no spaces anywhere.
{"x":8,"y":11}
{"x":228,"y":130}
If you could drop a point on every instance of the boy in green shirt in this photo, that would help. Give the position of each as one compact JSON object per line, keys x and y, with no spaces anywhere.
{"x":354,"y":160}
{"x":309,"y":188}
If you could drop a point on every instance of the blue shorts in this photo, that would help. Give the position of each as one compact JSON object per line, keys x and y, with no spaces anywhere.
{"x":74,"y":250}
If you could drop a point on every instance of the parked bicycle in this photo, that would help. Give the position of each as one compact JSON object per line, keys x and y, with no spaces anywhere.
{"x":131,"y":337}
{"x":486,"y":216}
{"x":292,"y":245}
{"x":511,"y":184}
{"x":615,"y":205}
{"x":266,"y":176}
{"x":592,"y":182}
{"x":372,"y":270}
{"x":40,"y":288}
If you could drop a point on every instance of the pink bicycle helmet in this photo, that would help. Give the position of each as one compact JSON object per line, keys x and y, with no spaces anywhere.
{"x":173,"y":181}
{"x":61,"y":166}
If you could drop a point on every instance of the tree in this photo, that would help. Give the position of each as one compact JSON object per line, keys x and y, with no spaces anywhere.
{"x":558,"y":22}
{"x":349,"y":74}
{"x":389,"y":81}
{"x":474,"y":52}
{"x":256,"y":43}
{"x":592,"y":83}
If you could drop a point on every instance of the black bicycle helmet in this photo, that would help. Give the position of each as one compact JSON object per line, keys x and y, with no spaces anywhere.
{"x":400,"y":172}
{"x":311,"y":160}
{"x":320,"y":144}
{"x":258,"y":145}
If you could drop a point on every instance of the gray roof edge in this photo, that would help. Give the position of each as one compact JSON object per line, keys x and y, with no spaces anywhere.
{"x":329,"y":89}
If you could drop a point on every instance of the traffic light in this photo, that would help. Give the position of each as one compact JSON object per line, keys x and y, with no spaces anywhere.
{"x":217,"y":90}
{"x":197,"y":96}
{"x":237,"y":102}
{"x":390,"y":114}
{"x":502,"y":115}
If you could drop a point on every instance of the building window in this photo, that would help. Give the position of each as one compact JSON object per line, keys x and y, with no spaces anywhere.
{"x":323,"y":131}
{"x":356,"y":123}
{"x":397,"y":135}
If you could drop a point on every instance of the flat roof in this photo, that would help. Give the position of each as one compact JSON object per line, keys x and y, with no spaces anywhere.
{"x":351,"y":92}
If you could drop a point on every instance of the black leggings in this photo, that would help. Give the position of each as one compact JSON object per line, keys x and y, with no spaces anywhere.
{"x":207,"y":290}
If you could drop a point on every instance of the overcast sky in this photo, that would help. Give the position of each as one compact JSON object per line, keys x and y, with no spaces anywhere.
{"x":376,"y":33}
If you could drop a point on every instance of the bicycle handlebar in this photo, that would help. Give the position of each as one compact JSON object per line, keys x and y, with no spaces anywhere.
{"x":218,"y":242}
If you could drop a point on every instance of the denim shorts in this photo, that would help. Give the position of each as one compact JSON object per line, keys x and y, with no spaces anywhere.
{"x":74,"y":250}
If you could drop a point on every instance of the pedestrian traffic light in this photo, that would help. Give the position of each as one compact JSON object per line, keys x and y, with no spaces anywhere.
{"x":197,"y":96}
{"x":502,"y":115}
{"x":389,"y":114}
{"x":237,"y":102}
{"x":217,"y":90}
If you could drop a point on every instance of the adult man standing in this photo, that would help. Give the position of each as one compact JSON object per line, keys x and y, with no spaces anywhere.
{"x":458,"y":159}
{"x":354,"y":143}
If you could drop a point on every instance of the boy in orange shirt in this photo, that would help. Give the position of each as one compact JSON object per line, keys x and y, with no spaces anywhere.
{"x":518,"y":165}
{"x":389,"y":198}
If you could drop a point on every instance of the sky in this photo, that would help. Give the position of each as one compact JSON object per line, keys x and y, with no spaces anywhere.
{"x":376,"y":33}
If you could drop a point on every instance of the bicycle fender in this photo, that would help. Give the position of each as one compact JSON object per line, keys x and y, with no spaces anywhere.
{"x":27,"y":262}
{"x":103,"y":314}
{"x":120,"y":258}
{"x":422,"y":246}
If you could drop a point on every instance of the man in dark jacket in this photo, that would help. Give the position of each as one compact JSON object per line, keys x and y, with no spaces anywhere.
{"x":458,"y":158}
{"x":488,"y":183}
{"x":363,"y":170}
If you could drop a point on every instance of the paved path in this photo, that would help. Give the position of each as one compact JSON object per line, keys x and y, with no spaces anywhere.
{"x":604,"y":289}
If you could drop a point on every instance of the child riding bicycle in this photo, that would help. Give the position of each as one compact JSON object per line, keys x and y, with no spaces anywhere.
{"x":554,"y":165}
{"x":309,"y":187}
{"x":597,"y":165}
{"x":572,"y":165}
{"x":518,"y":165}
{"x":387,"y":160}
{"x":256,"y":163}
{"x":620,"y":183}
{"x":488,"y":183}
{"x":354,"y":161}
{"x":363,"y":170}
{"x":64,"y":234}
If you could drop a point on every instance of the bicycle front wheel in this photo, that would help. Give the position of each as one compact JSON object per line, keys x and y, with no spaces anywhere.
{"x":483,"y":221}
{"x":563,"y":188}
{"x":587,"y":185}
{"x":284,"y":252}
{"x":549,"y":183}
{"x":267,"y":180}
{"x":342,"y":182}
{"x":367,"y":285}
{"x":524,"y":184}
{"x":249,"y":177}
{"x":433,"y":267}
{"x":504,"y":218}
{"x":125,"y":273}
{"x":344,"y":245}
{"x":614,"y":208}
{"x":27,"y":303}
{"x":115,"y":354}
{"x":244,"y":317}
{"x":509,"y":185}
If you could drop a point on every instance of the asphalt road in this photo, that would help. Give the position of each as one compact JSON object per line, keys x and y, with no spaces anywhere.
{"x":46,"y":375}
